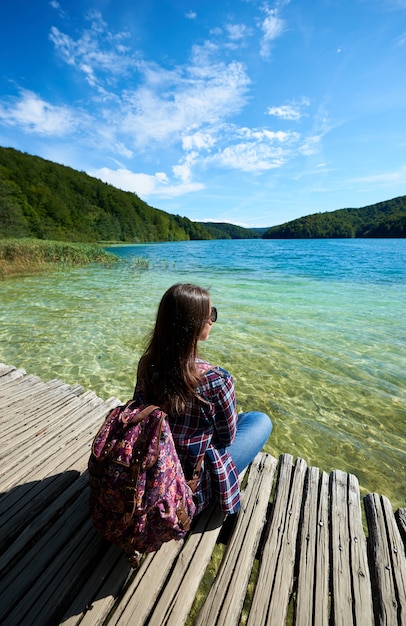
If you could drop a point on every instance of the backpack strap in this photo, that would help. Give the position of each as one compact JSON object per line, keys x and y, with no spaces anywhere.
{"x":140,"y":416}
{"x":194,"y":481}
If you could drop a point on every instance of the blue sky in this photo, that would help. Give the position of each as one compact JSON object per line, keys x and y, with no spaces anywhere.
{"x":244,"y":111}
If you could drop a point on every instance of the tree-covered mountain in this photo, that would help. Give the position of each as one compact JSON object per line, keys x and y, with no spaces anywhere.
{"x":224,"y":230}
{"x":381,"y":220}
{"x":44,"y":200}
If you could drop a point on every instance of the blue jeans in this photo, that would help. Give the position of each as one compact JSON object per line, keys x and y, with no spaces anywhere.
{"x":253,"y":430}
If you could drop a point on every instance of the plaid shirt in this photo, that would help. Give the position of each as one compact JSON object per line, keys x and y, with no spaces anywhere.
{"x":206,"y":429}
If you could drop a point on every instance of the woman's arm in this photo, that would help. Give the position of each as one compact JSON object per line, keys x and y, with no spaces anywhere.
{"x":225,"y":415}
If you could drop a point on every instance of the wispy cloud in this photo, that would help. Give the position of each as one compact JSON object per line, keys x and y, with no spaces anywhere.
{"x":395,"y":176}
{"x":32,"y":114}
{"x":100,"y":55}
{"x":145,"y":185}
{"x":292,"y":111}
{"x":272,"y":26}
{"x":185,"y":109}
{"x":256,"y":150}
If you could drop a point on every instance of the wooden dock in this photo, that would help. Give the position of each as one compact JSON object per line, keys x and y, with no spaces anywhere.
{"x":297,"y":553}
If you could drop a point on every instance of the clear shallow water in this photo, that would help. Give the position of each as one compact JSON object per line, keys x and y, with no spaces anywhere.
{"x":314,"y":333}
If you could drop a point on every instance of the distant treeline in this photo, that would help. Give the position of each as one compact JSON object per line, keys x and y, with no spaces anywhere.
{"x":384,"y":219}
{"x":44,"y":200}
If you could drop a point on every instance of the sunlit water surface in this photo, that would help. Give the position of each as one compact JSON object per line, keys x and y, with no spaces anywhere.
{"x":313,"y":332}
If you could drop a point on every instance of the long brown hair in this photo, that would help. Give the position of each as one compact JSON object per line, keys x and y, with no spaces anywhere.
{"x":167,"y":370}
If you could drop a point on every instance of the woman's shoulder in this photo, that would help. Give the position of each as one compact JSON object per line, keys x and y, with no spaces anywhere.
{"x":212,"y":373}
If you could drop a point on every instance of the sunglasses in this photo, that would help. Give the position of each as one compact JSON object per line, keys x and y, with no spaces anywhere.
{"x":213,"y":314}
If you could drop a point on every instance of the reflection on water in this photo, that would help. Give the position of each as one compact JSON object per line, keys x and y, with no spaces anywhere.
{"x":312,"y":331}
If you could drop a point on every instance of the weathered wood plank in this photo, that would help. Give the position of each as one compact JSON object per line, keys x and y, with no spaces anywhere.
{"x":388,"y":564}
{"x":99,"y":592}
{"x":313,"y":554}
{"x":226,"y":597}
{"x":321,"y":589}
{"x":400,"y":516}
{"x":360,"y":577}
{"x":51,"y":450}
{"x":15,"y":546}
{"x":140,"y":596}
{"x":10,"y":372}
{"x":340,"y":549}
{"x":56,"y":569}
{"x":177,"y":597}
{"x":18,"y":574}
{"x":45,"y":599}
{"x":6,"y":369}
{"x":275,"y":576}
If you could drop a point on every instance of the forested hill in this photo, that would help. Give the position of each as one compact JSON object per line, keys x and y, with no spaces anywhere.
{"x":224,"y":230}
{"x":45,"y":200}
{"x":42,"y":199}
{"x":384,"y":219}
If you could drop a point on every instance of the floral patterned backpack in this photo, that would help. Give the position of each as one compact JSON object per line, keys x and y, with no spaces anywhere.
{"x":139,"y":496}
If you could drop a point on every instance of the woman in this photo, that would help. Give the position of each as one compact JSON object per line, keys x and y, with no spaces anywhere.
{"x":198,"y":398}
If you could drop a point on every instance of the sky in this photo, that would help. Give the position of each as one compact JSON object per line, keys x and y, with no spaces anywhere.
{"x":242,"y":111}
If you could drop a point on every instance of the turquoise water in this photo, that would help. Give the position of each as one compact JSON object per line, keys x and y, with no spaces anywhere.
{"x":313,"y":331}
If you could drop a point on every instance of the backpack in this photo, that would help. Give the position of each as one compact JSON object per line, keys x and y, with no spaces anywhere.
{"x":139,"y":496}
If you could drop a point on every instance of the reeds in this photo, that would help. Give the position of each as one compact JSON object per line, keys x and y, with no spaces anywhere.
{"x":28,"y":256}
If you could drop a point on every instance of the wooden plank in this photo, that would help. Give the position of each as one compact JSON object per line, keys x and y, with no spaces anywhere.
{"x":226,"y":597}
{"x":35,"y":411}
{"x":14,"y":547}
{"x":140,"y":596}
{"x":181,"y":587}
{"x":340,"y":550}
{"x":43,"y":420}
{"x":275,"y":576}
{"x":321,"y":589}
{"x":49,"y":422}
{"x":387,"y":561}
{"x":307,"y":570}
{"x":60,"y":450}
{"x":398,"y":558}
{"x":400,"y":516}
{"x":99,"y":592}
{"x":384,"y":591}
{"x":6,"y":369}
{"x":44,"y":601}
{"x":20,"y":574}
{"x":13,"y":373}
{"x":359,"y":570}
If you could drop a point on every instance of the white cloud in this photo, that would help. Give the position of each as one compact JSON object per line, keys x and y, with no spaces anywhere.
{"x":310,"y":145}
{"x":267,"y":135}
{"x":170,"y":105}
{"x":260,"y":150}
{"x":250,"y":157}
{"x":272,"y":27}
{"x":98,"y":54}
{"x":158,"y":106}
{"x":144,"y":185}
{"x":291,"y":112}
{"x":238,"y":32}
{"x":34,"y":115}
{"x":183,"y":110}
{"x":191,"y":15}
{"x":200,"y":141}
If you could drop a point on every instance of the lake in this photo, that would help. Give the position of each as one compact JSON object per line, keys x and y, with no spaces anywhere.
{"x":313,"y":332}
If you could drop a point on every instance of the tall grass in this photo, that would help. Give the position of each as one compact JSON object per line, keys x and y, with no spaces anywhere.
{"x":28,"y":256}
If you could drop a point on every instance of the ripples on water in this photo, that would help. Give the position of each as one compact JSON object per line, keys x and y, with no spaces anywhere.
{"x":313,"y":332}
